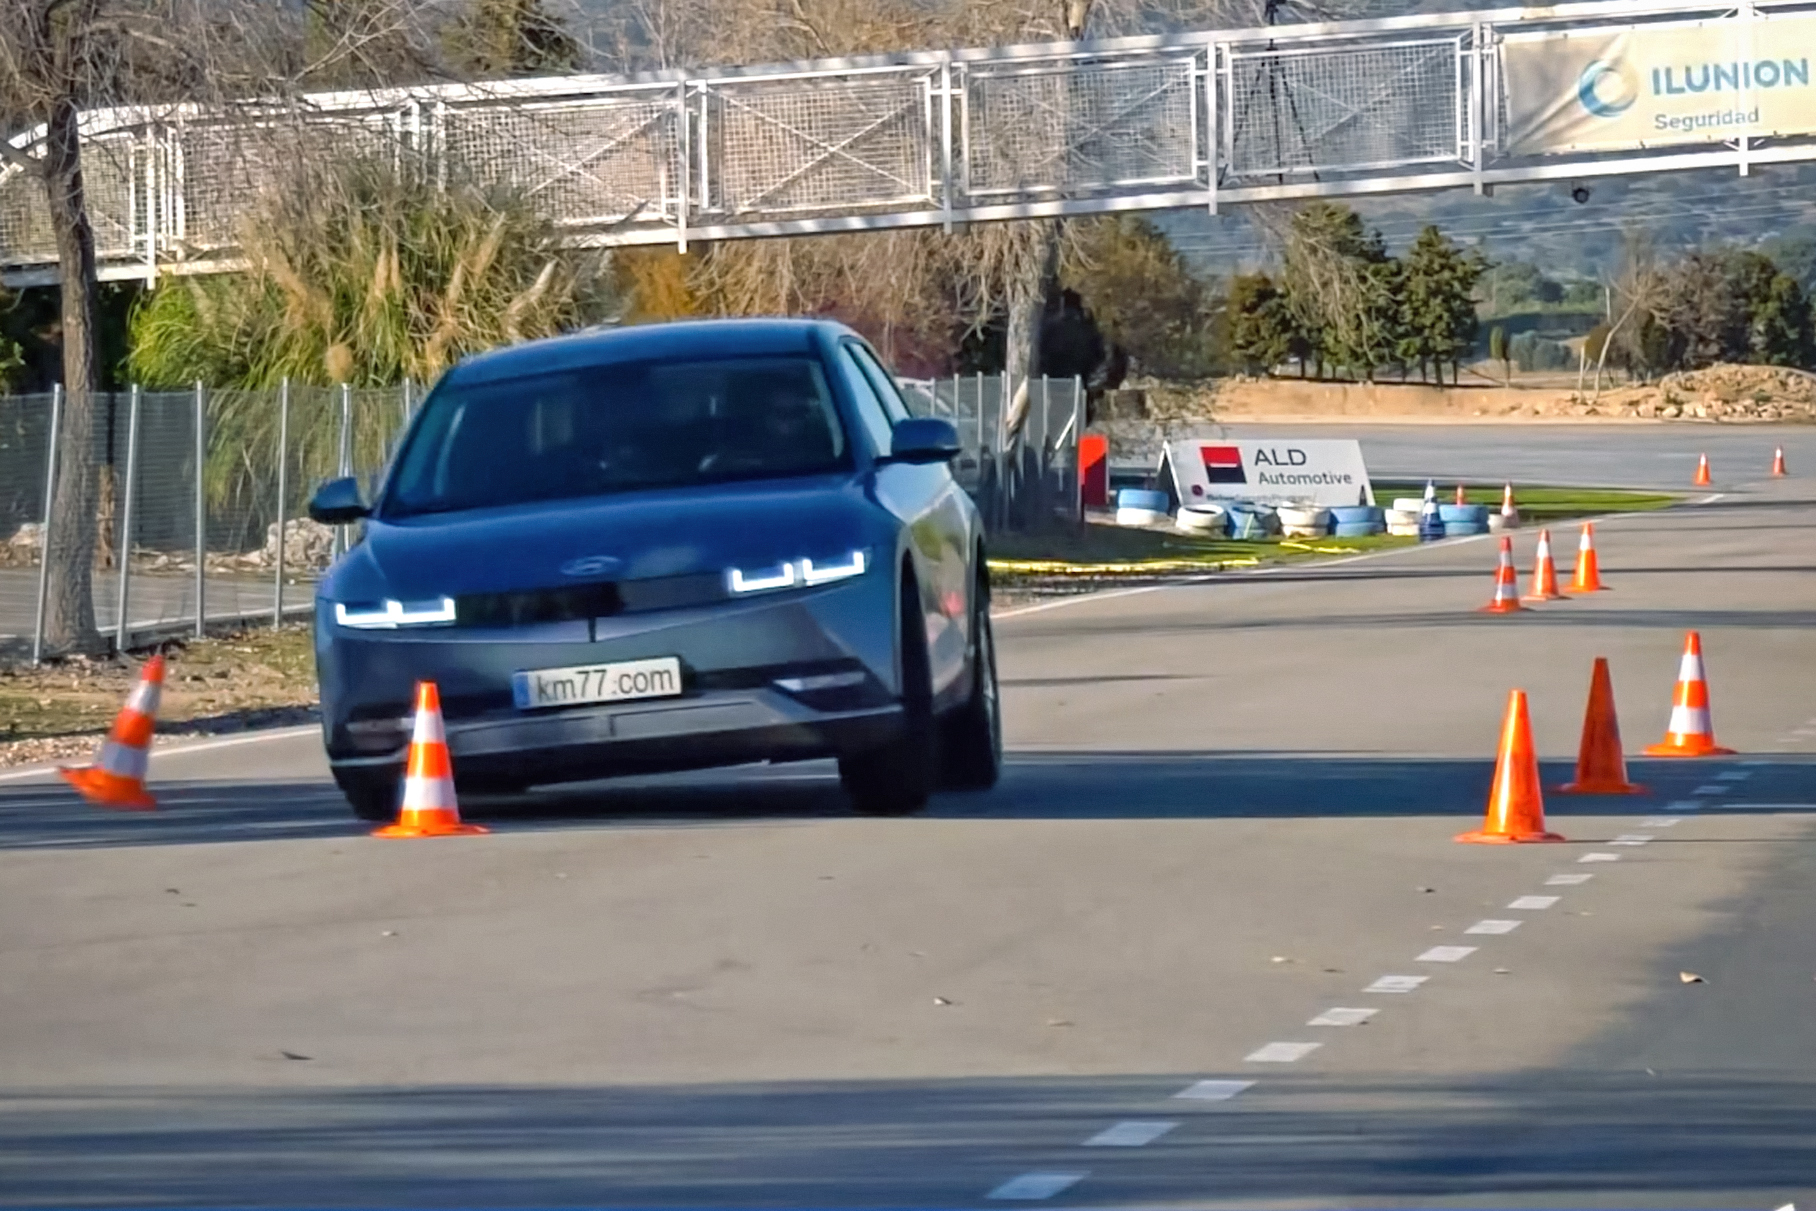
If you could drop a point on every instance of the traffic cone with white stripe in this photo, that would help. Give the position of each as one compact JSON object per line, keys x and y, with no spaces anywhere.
{"x":1778,"y":471}
{"x":1702,"y":472}
{"x":1510,"y":512}
{"x":1506,"y":584}
{"x":1516,"y":804}
{"x":429,"y":808}
{"x":117,"y":777}
{"x":1691,"y":732}
{"x":1544,"y":573}
{"x":1588,"y":575}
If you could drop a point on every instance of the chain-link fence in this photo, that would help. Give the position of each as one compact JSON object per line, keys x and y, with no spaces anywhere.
{"x":201,"y":512}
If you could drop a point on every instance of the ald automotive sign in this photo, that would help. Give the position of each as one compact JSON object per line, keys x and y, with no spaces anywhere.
{"x":1273,"y":472}
{"x":1648,"y":85}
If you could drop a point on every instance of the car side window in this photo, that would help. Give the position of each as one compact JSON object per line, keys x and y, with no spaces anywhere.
{"x":880,"y":381}
{"x":872,"y":413}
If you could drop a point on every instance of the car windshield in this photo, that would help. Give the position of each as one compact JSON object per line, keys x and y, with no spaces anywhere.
{"x":595,"y":430}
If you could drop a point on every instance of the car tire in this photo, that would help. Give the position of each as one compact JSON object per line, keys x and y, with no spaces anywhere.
{"x":896,"y":779}
{"x":971,"y":737}
{"x":372,"y":798}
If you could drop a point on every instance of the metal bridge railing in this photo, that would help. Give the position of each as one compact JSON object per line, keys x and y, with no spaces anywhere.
{"x":920,"y":138}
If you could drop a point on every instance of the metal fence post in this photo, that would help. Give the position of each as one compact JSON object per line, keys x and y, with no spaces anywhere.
{"x":201,"y":509}
{"x":122,"y":631}
{"x":346,"y":458}
{"x":283,"y":490}
{"x":50,"y":480}
{"x":409,"y":400}
{"x":1075,"y":463}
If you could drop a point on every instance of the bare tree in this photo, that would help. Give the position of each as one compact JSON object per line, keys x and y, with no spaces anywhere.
{"x":59,"y":58}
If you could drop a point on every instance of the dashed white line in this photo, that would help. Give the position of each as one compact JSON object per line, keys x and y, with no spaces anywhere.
{"x":1493,"y":927}
{"x":1396,"y":984}
{"x":1213,"y":1090}
{"x":1446,"y":954}
{"x":1281,"y":1053}
{"x":1631,"y":839}
{"x":1341,"y":1016}
{"x":1755,"y":761}
{"x":1661,"y":822}
{"x":1712,"y":788}
{"x":1734,"y":775}
{"x":1567,"y":880}
{"x":1684,"y":805}
{"x":1131,"y":1133}
{"x":1032,"y":1187}
{"x":1599,"y":858}
{"x":1534,"y":902}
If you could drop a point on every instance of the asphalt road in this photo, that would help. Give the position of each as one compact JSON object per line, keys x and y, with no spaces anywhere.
{"x":1228,"y":812}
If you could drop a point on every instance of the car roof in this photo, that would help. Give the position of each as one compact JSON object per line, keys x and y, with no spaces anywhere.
{"x":684,"y":339}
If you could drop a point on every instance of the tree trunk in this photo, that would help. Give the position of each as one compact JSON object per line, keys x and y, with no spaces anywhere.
{"x":1036,"y":281}
{"x":69,"y":623}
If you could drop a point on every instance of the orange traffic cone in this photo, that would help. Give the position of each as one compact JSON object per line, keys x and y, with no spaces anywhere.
{"x":1516,"y":805}
{"x":1702,"y":472}
{"x":1506,"y":584}
{"x":1544,"y":573}
{"x":1778,"y":470}
{"x":1690,"y":733}
{"x":1460,"y":500}
{"x":429,"y":809}
{"x":1588,"y":576}
{"x":117,"y":777}
{"x":1601,"y":769}
{"x":1510,"y":512}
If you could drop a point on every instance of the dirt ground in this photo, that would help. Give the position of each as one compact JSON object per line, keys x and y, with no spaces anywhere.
{"x":1732,"y":394}
{"x":257,"y":678}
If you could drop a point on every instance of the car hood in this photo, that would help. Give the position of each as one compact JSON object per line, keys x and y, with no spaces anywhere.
{"x":632,"y":537}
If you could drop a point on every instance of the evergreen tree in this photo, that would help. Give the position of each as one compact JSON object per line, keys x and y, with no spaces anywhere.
{"x":1261,"y":331}
{"x":1438,"y":318}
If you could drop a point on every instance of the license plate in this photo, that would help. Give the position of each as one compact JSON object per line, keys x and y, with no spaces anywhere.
{"x":537,"y":688}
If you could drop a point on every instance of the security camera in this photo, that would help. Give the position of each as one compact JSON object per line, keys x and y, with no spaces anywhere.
{"x":1579,"y":194}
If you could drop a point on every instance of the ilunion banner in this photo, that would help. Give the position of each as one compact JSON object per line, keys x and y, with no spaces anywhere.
{"x":1627,"y":87}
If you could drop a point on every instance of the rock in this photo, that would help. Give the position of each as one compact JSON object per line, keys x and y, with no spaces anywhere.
{"x":27,"y":539}
{"x":1647,"y":409}
{"x":307,"y":544}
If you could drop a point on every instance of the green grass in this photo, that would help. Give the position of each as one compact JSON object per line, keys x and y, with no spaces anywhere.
{"x":1538,"y":504}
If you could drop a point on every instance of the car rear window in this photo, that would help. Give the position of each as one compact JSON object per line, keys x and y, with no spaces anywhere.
{"x":597,"y":430}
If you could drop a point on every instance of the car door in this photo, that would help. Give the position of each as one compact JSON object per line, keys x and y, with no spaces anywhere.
{"x":933,"y":505}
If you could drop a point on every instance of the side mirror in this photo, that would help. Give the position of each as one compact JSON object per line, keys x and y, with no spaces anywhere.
{"x":337,"y":503}
{"x":924,"y":439}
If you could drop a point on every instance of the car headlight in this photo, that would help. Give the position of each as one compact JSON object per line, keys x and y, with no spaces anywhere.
{"x":390,"y":614}
{"x":799,"y":573}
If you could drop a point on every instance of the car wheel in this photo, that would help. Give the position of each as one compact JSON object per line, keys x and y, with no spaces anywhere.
{"x":971,"y":737}
{"x":896,"y":779}
{"x":372,"y":798}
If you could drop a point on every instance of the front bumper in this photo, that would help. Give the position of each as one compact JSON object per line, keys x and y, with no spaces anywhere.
{"x":732,"y":709}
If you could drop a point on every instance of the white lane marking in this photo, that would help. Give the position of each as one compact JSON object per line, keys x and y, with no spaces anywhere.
{"x":1660,"y":822}
{"x":1756,"y":761}
{"x":1712,"y":788}
{"x":1769,"y":807}
{"x":1599,"y":858}
{"x":1492,"y":927}
{"x":1340,"y":1016}
{"x":1213,"y":1091}
{"x":1032,"y":1187}
{"x":1631,"y":839}
{"x":1131,"y":1133}
{"x":1396,"y":984}
{"x":1567,"y":880}
{"x":1446,"y":954}
{"x":1710,"y":499}
{"x":1734,"y":775}
{"x":278,"y":733}
{"x":1684,"y":805}
{"x":1281,"y":1053}
{"x":1534,"y":902}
